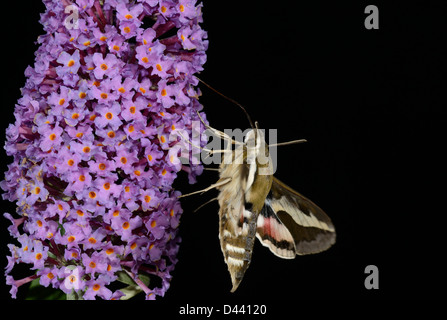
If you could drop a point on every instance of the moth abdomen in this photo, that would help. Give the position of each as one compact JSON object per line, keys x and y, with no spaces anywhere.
{"x":238,"y":247}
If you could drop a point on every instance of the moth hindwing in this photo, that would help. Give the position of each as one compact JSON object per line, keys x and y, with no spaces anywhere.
{"x":253,"y":203}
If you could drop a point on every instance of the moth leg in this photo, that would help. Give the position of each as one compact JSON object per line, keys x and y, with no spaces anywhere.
{"x":217,"y":133}
{"x":190,"y":142}
{"x":209,"y":151}
{"x":211,"y":169}
{"x":219,"y":183}
{"x":216,"y":151}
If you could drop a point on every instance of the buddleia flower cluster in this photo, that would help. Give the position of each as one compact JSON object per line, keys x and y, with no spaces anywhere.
{"x":94,"y":158}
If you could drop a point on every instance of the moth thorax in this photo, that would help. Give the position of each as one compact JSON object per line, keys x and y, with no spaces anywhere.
{"x":257,"y":157}
{"x":256,"y":148}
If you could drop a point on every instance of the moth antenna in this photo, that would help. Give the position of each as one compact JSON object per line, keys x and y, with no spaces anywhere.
{"x":256,"y":131}
{"x":287,"y":143}
{"x":231,"y":100}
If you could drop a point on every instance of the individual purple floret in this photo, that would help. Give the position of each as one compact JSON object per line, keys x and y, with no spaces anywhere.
{"x":94,"y":158}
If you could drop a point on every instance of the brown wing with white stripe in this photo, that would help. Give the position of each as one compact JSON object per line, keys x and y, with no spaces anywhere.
{"x":291,"y":224}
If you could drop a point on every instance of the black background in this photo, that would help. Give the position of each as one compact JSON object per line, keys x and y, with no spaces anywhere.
{"x":371,"y":104}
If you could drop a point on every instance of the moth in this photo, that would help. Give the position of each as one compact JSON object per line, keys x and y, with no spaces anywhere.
{"x":255,"y":204}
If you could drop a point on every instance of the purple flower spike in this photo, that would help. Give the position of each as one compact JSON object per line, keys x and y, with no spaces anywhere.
{"x":94,"y":161}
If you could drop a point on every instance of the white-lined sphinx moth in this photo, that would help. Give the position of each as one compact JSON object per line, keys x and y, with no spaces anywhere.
{"x":253,"y":203}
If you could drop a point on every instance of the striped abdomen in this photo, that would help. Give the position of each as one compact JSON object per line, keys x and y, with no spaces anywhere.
{"x":237,"y":245}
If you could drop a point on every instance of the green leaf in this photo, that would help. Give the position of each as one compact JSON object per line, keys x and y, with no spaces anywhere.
{"x":73,"y":296}
{"x":125,"y":278}
{"x":51,"y":255}
{"x":39,"y":292}
{"x":130,"y":291}
{"x":133,"y":288}
{"x":145,"y":278}
{"x":62,"y":230}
